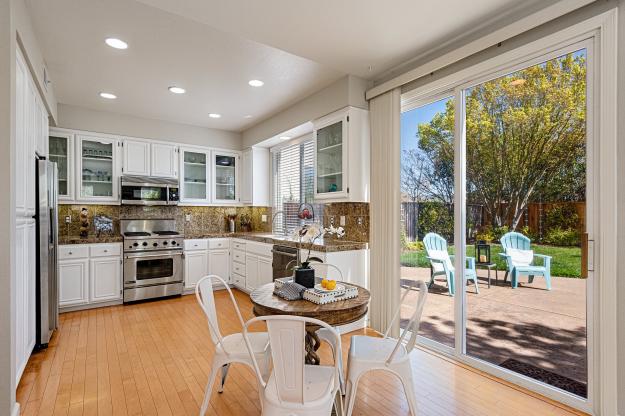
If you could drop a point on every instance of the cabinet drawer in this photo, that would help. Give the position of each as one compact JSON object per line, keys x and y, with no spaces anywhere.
{"x":260,"y":249}
{"x":73,"y":252}
{"x":238,"y":280}
{"x":218,"y":243}
{"x":105,"y":250}
{"x":238,"y":245}
{"x":238,"y":256}
{"x":196,"y":244}
{"x":238,"y":268}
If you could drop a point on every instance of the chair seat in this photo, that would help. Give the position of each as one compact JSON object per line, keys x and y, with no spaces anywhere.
{"x":316,"y":381}
{"x":531,"y":269}
{"x":364,"y":348}
{"x":235,"y":344}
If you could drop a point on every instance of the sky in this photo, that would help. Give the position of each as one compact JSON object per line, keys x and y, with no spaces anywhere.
{"x":411,"y":119}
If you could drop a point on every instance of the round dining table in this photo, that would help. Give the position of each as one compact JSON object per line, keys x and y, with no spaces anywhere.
{"x":337,"y":313}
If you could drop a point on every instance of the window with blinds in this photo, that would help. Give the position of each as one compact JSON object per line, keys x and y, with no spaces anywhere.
{"x":293,"y":184}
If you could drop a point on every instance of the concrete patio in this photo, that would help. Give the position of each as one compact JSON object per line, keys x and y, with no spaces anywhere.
{"x":546,"y":329}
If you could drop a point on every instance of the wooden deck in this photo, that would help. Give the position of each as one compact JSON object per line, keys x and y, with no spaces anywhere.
{"x":153,"y":358}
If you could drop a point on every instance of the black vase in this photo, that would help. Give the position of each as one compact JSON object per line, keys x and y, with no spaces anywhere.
{"x":305,"y":276}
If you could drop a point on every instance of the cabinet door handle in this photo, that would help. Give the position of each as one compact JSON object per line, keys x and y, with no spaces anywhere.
{"x":106,"y":251}
{"x":70,"y":253}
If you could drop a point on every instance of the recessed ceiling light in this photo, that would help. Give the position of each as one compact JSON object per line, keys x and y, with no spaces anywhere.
{"x":116,"y":43}
{"x":285,"y":137}
{"x":177,"y":90}
{"x":256,"y":83}
{"x":248,"y":116}
{"x":214,"y":115}
{"x":108,"y":95}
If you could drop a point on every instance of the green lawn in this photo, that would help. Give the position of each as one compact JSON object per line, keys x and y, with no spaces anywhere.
{"x":565,"y":262}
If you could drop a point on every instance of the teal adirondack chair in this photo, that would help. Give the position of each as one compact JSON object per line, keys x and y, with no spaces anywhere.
{"x":442,"y":263}
{"x":520,"y":260}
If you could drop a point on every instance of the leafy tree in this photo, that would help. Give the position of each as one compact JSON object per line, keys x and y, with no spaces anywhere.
{"x":525,"y":137}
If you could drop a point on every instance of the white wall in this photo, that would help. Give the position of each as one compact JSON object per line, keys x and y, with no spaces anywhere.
{"x":348,"y":90}
{"x":32,"y":53}
{"x":7,"y":222}
{"x":73,"y":117}
{"x":621,"y":203}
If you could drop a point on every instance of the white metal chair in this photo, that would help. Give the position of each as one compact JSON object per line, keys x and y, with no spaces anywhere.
{"x":327,"y":336}
{"x":231,"y":348}
{"x":370,"y":353}
{"x":293,"y":387}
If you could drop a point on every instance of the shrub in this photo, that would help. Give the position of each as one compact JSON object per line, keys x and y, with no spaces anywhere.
{"x":436,"y":217}
{"x":562,"y":216}
{"x":561,"y":237}
{"x":415,"y":246}
{"x":403,"y":238}
{"x":486,"y":234}
{"x":525,"y":230}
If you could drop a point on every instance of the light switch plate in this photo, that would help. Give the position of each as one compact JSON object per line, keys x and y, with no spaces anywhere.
{"x":263,"y":218}
{"x":332,"y":220}
{"x":342,"y":221}
{"x":187,"y":217}
{"x":68,"y":219}
{"x":359,"y":220}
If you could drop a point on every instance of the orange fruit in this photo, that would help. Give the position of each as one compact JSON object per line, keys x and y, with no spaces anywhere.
{"x":331,"y":285}
{"x":324,"y":283}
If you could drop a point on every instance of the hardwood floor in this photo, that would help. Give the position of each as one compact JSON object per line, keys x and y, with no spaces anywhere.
{"x":153,"y":359}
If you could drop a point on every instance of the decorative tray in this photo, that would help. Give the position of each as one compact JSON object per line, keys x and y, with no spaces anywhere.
{"x":322,"y":296}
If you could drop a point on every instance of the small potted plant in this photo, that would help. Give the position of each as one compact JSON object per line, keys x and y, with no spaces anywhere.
{"x":309,"y":233}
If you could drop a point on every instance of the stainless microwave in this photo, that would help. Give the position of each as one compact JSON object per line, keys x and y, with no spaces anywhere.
{"x":149,"y":190}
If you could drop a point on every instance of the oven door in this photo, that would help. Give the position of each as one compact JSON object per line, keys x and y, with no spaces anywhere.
{"x":152,"y":268}
{"x":144,"y":194}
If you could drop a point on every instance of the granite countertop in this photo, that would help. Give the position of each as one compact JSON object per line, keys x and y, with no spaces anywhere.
{"x":320,"y":245}
{"x":91,"y":239}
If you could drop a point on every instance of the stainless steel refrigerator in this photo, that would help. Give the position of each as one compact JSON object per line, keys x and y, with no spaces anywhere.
{"x":47,"y":247}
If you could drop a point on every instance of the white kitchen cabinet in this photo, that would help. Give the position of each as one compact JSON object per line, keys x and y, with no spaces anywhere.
{"x":225,"y":174}
{"x":164,"y":160}
{"x":255,"y":186}
{"x":219,"y":263}
{"x":89,"y":274}
{"x":342,"y":156}
{"x":265,"y":271}
{"x":136,"y":157}
{"x":195,"y":267}
{"x":251,"y":271}
{"x":24,"y":293}
{"x":98,"y":168}
{"x":61,"y":148}
{"x":73,"y":282}
{"x":195,"y":176}
{"x":105,"y":279}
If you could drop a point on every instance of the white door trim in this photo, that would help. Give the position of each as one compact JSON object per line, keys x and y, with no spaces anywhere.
{"x":602,"y":318}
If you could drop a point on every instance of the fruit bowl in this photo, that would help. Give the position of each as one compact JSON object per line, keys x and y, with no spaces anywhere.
{"x":339,"y":287}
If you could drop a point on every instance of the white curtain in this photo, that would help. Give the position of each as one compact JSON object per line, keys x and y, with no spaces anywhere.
{"x":385,"y":112}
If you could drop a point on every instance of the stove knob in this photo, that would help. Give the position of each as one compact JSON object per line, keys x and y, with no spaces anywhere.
{"x":164,"y":243}
{"x":145,"y":243}
{"x":135,"y":244}
{"x":155,"y":244}
{"x":173,"y":243}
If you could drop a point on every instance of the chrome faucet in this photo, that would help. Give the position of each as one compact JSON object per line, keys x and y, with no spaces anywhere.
{"x":273,"y":219}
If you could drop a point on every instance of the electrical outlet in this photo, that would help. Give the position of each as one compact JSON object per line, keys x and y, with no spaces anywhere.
{"x":332,"y":220}
{"x":68,"y":219}
{"x":342,"y":221}
{"x":263,"y":218}
{"x":359,"y":220}
{"x":187,"y":217}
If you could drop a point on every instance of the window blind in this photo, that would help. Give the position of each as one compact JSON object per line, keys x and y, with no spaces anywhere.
{"x":293,"y":184}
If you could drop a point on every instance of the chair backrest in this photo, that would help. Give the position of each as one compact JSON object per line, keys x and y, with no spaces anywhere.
{"x":412,"y":328}
{"x":206,"y":299}
{"x":286,"y":337}
{"x":515,"y":240}
{"x":436,"y":247}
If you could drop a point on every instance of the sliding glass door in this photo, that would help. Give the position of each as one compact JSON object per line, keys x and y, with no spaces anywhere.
{"x":496,"y":179}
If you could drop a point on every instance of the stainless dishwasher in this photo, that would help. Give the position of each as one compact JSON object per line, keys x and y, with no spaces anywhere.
{"x":283,"y":257}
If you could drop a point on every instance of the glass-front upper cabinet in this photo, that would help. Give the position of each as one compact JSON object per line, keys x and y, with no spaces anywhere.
{"x":330,"y":156}
{"x":61,"y":151}
{"x":97,"y":172}
{"x":194,"y":182}
{"x":225,"y":174}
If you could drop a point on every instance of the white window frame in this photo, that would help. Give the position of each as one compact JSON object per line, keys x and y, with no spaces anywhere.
{"x":598,"y":35}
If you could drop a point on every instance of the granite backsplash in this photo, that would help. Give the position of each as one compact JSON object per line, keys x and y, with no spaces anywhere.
{"x":194,"y":221}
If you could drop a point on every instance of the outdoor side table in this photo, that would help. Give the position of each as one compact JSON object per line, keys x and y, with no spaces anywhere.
{"x":489,"y":266}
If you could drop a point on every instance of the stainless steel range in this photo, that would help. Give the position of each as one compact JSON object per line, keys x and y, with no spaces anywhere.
{"x":152,"y":259}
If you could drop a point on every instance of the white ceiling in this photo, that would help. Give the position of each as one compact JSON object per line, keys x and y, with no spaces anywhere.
{"x":212,"y":48}
{"x":164,"y":49}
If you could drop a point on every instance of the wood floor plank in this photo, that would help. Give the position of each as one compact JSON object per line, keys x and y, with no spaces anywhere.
{"x":154,"y":358}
